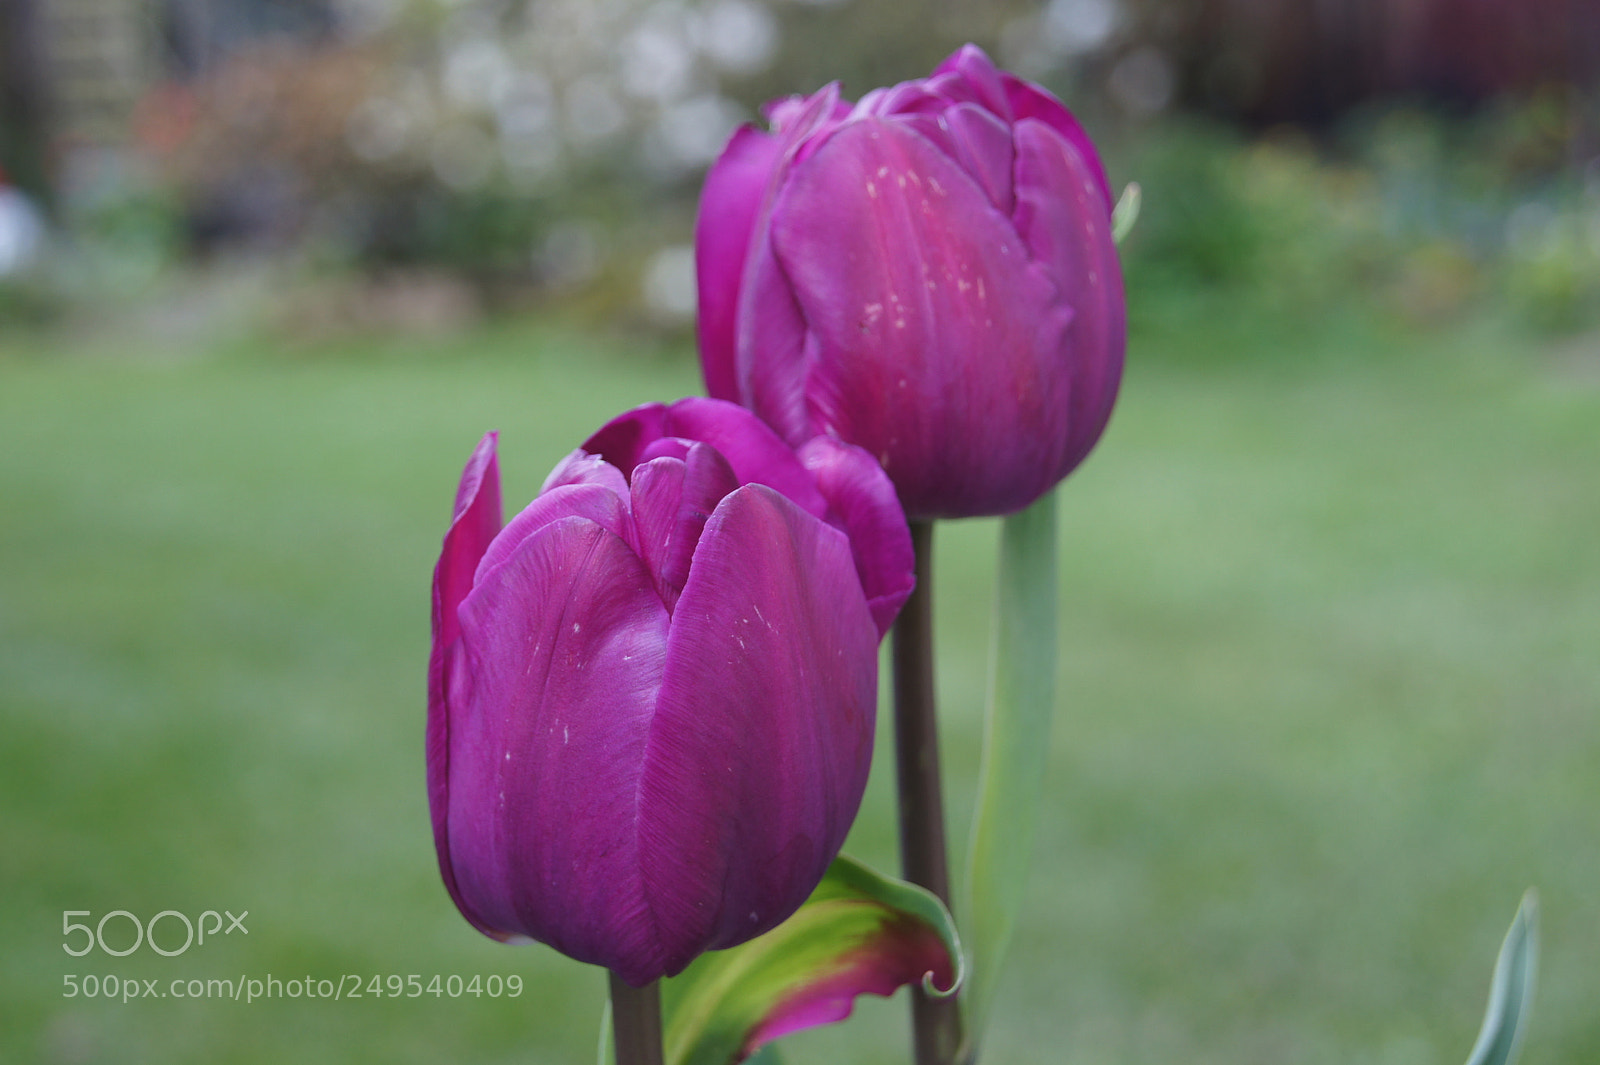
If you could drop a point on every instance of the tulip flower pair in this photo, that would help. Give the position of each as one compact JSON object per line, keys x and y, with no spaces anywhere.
{"x":652,"y":693}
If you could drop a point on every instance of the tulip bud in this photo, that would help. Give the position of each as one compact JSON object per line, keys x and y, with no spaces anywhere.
{"x":651,"y":694}
{"x":929,"y":274}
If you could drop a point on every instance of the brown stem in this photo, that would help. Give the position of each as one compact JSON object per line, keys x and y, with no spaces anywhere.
{"x":636,"y":1022}
{"x":935,"y":1022}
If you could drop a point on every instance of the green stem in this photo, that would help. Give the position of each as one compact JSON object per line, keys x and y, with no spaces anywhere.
{"x":935,"y":1022}
{"x":636,"y":1022}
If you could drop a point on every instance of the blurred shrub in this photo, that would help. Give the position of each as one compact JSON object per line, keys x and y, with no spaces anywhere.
{"x":1552,"y":269}
{"x":29,"y":303}
{"x":1408,"y":214}
{"x":1266,"y":224}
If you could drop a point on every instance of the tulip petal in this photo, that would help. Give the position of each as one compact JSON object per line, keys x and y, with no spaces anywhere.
{"x":773,"y":360}
{"x":668,"y":447}
{"x":600,"y":505}
{"x":862,"y":502}
{"x":580,"y":467}
{"x":476,"y":521}
{"x":800,"y":116}
{"x":804,"y":124}
{"x":900,"y":309}
{"x":565,"y":641}
{"x":982,"y":79}
{"x":762,"y":738}
{"x":1066,"y":226}
{"x":672,"y":499}
{"x":657,"y":488}
{"x":983,"y":148}
{"x":770,"y":333}
{"x":908,"y":97}
{"x":1029,"y":101}
{"x":621,"y":442}
{"x":729,"y":202}
{"x":756,"y":453}
{"x":859,"y":933}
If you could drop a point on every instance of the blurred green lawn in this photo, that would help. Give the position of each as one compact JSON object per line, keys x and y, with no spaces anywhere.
{"x":1330,"y":669}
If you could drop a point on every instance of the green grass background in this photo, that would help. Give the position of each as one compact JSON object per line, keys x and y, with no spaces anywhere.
{"x":1329,"y":676}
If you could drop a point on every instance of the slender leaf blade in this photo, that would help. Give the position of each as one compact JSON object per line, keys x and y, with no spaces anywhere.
{"x":1126,"y":212}
{"x":1016,"y":743}
{"x":1505,"y":1021}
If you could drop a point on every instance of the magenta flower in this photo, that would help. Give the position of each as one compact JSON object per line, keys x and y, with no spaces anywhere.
{"x":929,"y":274}
{"x":651,"y":694}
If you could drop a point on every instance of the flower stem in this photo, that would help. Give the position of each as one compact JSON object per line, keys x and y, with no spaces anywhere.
{"x":636,"y":1022}
{"x":935,"y":1022}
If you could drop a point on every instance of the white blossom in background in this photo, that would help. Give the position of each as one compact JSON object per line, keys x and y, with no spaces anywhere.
{"x":380,"y":129}
{"x":669,"y":282}
{"x":527,"y":108}
{"x":364,"y":19}
{"x":656,"y":62}
{"x":738,"y":36}
{"x":477,"y":73}
{"x":531,"y":146}
{"x":570,"y":254}
{"x":1074,"y":27}
{"x":691,"y":134}
{"x":1059,"y":33}
{"x":592,"y":112}
{"x":520,"y":94}
{"x":1142,"y":81}
{"x":552,"y":81}
{"x":463,"y":156}
{"x":21,"y":231}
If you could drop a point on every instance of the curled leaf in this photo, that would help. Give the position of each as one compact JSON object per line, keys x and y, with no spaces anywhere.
{"x":859,"y":933}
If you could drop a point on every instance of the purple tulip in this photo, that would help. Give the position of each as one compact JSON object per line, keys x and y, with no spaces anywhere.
{"x":929,"y":274}
{"x":651,"y":694}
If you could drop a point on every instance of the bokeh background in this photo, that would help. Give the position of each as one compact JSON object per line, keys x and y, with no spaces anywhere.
{"x":1330,"y":650}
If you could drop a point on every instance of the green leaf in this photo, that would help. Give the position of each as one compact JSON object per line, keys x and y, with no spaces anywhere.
{"x":1126,"y":212}
{"x":1511,"y":992}
{"x":858,"y":933}
{"x":1016,"y":742}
